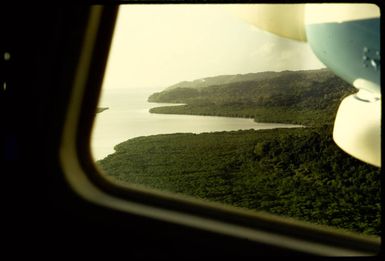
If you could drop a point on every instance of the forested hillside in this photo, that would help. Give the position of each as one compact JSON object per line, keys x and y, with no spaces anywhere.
{"x":223,"y":79}
{"x":298,"y":172}
{"x":301,"y":97}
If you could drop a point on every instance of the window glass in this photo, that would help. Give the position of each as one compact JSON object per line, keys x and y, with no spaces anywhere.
{"x":200,"y":103}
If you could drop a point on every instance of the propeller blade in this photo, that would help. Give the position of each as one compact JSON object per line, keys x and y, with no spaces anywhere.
{"x":285,"y":20}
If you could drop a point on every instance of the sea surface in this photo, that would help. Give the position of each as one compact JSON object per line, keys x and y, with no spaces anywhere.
{"x":128,"y":117}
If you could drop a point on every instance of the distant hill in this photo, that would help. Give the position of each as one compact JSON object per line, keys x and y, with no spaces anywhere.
{"x":319,"y":91}
{"x":223,"y":79}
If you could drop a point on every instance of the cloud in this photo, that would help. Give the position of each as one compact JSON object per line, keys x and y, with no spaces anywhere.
{"x":278,"y":54}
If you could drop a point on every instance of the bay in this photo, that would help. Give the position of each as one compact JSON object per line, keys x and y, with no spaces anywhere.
{"x":128,"y":117}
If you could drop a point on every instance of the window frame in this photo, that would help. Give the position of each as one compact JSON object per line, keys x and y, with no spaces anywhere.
{"x":85,"y":179}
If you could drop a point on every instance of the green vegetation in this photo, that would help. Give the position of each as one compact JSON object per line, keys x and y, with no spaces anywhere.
{"x":299,"y":97}
{"x":299,"y":172}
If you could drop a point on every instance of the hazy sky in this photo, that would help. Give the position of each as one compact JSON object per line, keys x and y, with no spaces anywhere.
{"x":160,"y":45}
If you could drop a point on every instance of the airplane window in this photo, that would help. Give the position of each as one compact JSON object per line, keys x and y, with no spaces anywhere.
{"x":202,"y":101}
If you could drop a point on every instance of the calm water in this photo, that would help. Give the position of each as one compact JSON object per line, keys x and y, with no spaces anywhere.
{"x":128,"y":117}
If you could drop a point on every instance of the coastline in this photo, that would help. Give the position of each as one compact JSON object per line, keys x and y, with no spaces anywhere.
{"x":101,"y":109}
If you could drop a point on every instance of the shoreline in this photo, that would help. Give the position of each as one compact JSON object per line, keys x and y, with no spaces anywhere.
{"x":170,"y":110}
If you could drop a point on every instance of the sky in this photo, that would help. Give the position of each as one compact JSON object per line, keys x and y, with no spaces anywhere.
{"x":160,"y":45}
